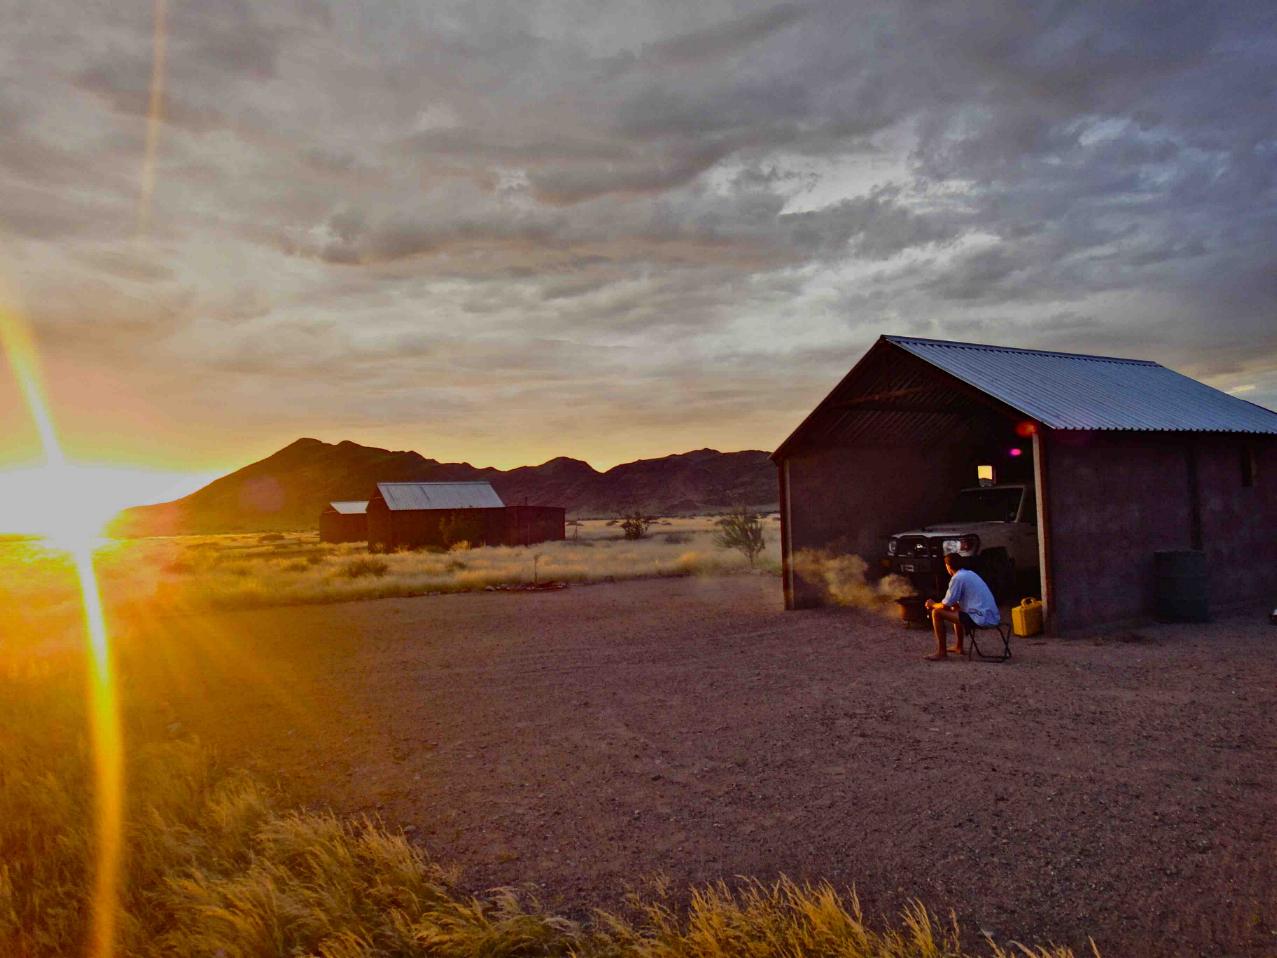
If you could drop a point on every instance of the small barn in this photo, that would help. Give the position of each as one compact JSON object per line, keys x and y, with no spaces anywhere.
{"x":441,"y":514}
{"x":1121,"y":458}
{"x":345,"y":520}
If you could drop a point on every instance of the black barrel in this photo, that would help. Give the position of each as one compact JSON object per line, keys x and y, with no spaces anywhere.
{"x":1180,"y":585}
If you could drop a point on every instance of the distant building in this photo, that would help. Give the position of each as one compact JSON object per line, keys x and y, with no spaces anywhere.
{"x":1125,"y":458}
{"x":344,"y":521}
{"x":440,"y":514}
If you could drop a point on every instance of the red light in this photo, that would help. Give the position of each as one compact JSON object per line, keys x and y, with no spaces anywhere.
{"x":1015,"y":451}
{"x":1025,"y":428}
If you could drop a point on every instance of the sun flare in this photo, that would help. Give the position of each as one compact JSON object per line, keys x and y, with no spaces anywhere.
{"x":62,"y":505}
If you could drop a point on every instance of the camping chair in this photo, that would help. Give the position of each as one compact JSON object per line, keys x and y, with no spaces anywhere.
{"x":1002,"y":630}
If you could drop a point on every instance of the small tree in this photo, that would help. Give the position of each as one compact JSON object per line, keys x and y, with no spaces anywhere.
{"x":635,"y":525}
{"x":456,"y":529}
{"x":741,"y":530}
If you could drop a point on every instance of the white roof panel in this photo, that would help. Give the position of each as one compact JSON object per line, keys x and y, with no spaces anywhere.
{"x":350,"y":507}
{"x":1074,"y":391}
{"x":439,"y":495}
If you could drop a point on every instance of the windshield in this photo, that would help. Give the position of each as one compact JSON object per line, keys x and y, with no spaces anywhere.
{"x":987,"y":505}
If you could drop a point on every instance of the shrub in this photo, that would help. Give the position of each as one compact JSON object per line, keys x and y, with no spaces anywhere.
{"x":635,"y":525}
{"x":458,"y":527}
{"x":741,"y":530}
{"x":357,"y":568}
{"x":677,"y":538}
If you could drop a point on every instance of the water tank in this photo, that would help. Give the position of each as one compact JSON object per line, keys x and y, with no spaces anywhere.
{"x":1180,"y":585}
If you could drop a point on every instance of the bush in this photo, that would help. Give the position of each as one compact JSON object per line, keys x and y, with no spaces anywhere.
{"x":357,"y":568}
{"x":635,"y":525}
{"x":677,"y":538}
{"x":457,"y":527}
{"x":741,"y":530}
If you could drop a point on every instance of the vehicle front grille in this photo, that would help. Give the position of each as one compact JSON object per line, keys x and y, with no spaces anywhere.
{"x":915,"y":546}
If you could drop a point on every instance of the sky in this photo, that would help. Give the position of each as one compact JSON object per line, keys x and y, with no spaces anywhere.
{"x":503,"y":232}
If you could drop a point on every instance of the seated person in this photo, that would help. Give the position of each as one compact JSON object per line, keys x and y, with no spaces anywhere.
{"x":968,"y":603}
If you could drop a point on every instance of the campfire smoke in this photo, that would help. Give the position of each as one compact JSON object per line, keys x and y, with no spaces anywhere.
{"x":846,"y":581}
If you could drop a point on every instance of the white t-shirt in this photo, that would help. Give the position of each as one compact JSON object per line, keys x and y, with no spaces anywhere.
{"x":968,"y":591}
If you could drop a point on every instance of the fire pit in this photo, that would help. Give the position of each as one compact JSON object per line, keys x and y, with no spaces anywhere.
{"x":913,"y":609}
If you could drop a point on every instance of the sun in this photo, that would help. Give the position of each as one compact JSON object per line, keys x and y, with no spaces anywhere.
{"x":70,"y":503}
{"x":66,"y":504}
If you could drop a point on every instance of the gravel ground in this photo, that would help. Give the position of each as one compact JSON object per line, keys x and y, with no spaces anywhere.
{"x":582,"y":742}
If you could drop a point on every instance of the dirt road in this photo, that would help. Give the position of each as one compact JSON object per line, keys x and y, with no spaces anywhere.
{"x":1120,"y":786}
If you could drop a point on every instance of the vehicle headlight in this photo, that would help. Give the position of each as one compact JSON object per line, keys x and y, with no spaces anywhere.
{"x":891,"y":546}
{"x":967,"y":545}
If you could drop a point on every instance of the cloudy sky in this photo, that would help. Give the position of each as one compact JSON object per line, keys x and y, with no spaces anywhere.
{"x":505,"y":231}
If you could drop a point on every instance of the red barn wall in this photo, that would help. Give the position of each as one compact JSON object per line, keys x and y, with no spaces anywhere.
{"x":1239,"y":523}
{"x":1116,"y":498}
{"x":440,"y":528}
{"x":336,"y":527}
{"x":528,"y":525}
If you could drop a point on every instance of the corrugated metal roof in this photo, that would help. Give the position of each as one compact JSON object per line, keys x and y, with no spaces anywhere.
{"x":439,"y":495}
{"x":1074,"y":391}
{"x":350,"y":507}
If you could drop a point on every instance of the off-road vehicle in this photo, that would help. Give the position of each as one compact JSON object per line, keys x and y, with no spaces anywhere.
{"x":995,"y":524}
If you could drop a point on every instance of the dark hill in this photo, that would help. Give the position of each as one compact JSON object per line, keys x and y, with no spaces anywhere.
{"x":289,"y":489}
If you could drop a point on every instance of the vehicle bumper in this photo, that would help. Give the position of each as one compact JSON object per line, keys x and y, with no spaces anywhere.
{"x":916,"y":565}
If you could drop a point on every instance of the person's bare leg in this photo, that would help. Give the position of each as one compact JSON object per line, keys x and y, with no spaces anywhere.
{"x":959,"y":635}
{"x":938,"y":619}
{"x":937,"y":629}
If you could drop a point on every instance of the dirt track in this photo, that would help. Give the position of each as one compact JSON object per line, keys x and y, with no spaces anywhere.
{"x":1121,"y":787}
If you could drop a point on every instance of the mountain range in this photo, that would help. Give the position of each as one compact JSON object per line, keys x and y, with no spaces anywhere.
{"x":289,"y":489}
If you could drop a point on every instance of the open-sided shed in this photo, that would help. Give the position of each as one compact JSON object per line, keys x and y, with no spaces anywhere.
{"x":440,"y":514}
{"x":345,"y":520}
{"x":1126,"y":458}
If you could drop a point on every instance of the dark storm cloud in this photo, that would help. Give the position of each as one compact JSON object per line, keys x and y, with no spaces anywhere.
{"x":379,"y":193}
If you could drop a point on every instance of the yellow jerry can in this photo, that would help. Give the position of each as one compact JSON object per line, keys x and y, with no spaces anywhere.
{"x":1026,"y":618}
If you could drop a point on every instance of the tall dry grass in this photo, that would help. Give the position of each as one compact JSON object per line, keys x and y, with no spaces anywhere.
{"x":191,"y":573}
{"x":213,"y":867}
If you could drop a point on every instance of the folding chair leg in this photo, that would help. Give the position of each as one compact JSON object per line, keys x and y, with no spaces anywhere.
{"x":1003,"y":631}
